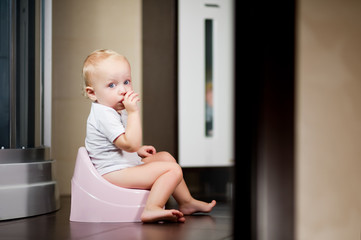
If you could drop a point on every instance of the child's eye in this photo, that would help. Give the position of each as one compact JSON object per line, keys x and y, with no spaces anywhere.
{"x":126,"y":82}
{"x":111,"y":85}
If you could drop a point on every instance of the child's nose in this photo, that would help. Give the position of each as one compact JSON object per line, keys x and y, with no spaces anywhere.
{"x":122,"y":90}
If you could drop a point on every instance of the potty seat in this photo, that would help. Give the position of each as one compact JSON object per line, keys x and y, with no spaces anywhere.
{"x":94,"y":199}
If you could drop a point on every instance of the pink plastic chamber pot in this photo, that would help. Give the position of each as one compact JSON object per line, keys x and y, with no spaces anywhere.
{"x":93,"y":199}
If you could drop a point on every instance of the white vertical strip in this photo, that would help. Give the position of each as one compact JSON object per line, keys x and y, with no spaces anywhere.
{"x":196,"y":149}
{"x":47,"y":71}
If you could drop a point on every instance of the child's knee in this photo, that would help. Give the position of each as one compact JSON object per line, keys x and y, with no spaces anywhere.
{"x":167,"y":157}
{"x":177,"y":171}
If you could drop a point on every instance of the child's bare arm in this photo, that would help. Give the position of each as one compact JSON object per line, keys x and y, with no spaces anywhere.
{"x":131,"y":140}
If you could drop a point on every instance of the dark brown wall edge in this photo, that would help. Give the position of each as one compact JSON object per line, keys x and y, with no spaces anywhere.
{"x":160,"y":111}
{"x":265,"y":81}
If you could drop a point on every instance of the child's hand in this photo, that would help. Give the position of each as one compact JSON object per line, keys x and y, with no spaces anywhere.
{"x":130,"y":101}
{"x":146,"y":151}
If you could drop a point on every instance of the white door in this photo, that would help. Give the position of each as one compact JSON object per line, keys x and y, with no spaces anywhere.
{"x":206,"y":83}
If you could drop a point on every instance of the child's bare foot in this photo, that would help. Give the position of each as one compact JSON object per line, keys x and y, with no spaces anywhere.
{"x":156,"y":215}
{"x":195,"y":206}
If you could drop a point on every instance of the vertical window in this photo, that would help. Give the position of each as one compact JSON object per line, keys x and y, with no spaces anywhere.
{"x":209,"y":77}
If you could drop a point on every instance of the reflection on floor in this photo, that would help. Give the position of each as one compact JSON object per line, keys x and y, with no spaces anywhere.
{"x":216,"y":225}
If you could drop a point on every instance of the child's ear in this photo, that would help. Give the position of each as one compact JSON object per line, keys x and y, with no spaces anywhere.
{"x":91,"y":93}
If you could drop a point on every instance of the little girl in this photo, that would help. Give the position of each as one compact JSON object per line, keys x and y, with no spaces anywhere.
{"x":114,"y":126}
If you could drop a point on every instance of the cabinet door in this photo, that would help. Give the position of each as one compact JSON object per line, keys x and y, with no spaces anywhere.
{"x":205,"y":83}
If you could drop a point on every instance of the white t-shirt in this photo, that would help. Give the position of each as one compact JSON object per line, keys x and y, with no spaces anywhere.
{"x":104,"y":125}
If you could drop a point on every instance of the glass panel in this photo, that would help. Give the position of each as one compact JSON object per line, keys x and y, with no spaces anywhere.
{"x":20,"y":95}
{"x":25,"y":79}
{"x":38,"y":76}
{"x":209,"y":77}
{"x":5,"y":9}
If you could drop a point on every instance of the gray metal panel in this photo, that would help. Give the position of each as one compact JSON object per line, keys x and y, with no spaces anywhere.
{"x":24,"y":155}
{"x":19,"y":201}
{"x":25,"y":173}
{"x":27,"y":183}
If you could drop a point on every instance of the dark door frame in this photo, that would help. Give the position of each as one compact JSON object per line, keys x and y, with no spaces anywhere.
{"x":265,"y":110}
{"x":264,"y":97}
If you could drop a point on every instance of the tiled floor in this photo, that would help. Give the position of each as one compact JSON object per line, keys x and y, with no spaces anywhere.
{"x":216,"y":225}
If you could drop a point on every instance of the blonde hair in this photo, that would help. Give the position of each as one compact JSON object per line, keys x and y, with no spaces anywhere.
{"x":92,"y":61}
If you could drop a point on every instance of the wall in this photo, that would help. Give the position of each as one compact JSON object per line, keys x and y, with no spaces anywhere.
{"x":79,"y":27}
{"x":328,"y":119}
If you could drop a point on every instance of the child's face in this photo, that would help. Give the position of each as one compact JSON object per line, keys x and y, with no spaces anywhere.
{"x":110,"y":82}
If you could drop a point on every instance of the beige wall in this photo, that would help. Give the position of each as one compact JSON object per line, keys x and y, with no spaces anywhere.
{"x":329,"y":120}
{"x":79,"y":27}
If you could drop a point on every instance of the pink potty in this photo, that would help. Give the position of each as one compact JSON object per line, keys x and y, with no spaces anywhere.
{"x":93,"y":199}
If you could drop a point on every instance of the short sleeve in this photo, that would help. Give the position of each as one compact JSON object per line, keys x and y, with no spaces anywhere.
{"x":109,"y":122}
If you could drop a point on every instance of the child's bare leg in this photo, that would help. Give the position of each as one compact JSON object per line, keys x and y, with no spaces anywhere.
{"x":162,"y":178}
{"x":187,"y":204}
{"x":158,"y":197}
